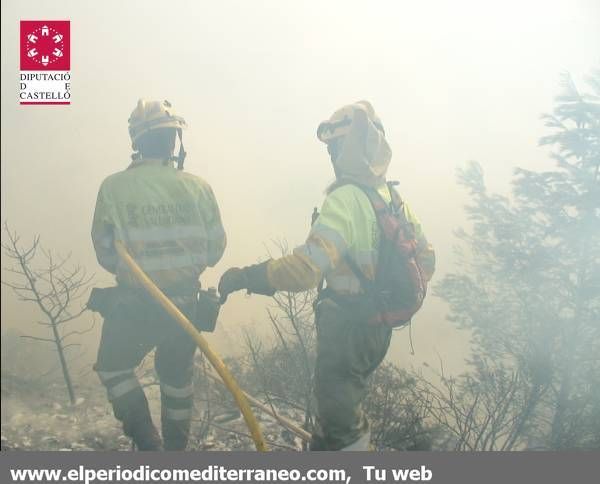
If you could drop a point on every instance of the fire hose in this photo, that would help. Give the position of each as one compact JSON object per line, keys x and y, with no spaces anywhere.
{"x":214,"y":359}
{"x":284,"y":422}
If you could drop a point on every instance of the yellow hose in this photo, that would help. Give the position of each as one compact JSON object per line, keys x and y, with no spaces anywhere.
{"x":288,"y":424}
{"x":214,"y":359}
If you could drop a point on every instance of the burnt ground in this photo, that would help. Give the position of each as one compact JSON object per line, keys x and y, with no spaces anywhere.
{"x":37,"y":416}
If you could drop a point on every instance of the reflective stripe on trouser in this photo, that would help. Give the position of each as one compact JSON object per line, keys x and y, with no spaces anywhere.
{"x":118,"y":383}
{"x":176,"y":414}
{"x":130,"y":406}
{"x":132,"y":328}
{"x":348,"y":351}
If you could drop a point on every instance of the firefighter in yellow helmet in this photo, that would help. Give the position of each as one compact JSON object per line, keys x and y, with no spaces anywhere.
{"x":170,"y":221}
{"x":342,"y":247}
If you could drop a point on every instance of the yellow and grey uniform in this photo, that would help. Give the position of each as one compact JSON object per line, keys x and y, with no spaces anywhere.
{"x":346,"y":226}
{"x":168,"y":219}
{"x":348,"y":350}
{"x":170,"y":222}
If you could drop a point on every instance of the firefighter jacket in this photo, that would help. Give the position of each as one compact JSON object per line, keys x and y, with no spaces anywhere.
{"x":346,"y":225}
{"x":168,"y":219}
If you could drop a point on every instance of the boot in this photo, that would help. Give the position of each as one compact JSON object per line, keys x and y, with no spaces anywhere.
{"x":175,"y":433}
{"x":176,"y":414}
{"x":132,"y":410}
{"x":362,"y":444}
{"x":144,"y":435}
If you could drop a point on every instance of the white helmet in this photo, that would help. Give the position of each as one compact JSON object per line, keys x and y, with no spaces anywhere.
{"x":149,"y":115}
{"x":340,"y":122}
{"x":356,"y":142}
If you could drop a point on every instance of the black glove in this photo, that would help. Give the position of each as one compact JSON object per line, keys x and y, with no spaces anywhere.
{"x":253,"y":278}
{"x":232,"y":280}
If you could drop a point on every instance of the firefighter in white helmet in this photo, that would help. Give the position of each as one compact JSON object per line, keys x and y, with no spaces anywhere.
{"x":343,"y":248}
{"x":170,"y":222}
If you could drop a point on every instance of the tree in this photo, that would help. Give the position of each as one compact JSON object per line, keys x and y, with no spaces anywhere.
{"x":54,"y":289}
{"x":284,"y":371}
{"x":488,"y":408}
{"x":397,"y":415}
{"x":529,"y":285}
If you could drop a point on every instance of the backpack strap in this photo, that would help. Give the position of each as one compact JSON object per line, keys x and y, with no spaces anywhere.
{"x":365,"y":283}
{"x":380,"y":207}
{"x":313,"y":218}
{"x":396,"y":204}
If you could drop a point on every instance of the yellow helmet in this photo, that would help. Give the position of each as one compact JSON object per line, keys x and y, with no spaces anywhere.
{"x":149,"y":115}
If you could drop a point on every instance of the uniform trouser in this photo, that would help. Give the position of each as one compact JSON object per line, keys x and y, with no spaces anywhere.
{"x":129,"y":333}
{"x":348,"y":351}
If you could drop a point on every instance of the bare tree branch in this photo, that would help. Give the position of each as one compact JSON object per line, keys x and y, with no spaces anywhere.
{"x":52,"y":289}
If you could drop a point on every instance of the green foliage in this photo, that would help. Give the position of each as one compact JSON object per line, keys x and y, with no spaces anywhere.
{"x":529,"y":285}
{"x":398,"y":419}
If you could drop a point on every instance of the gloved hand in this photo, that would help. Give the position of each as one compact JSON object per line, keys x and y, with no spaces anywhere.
{"x":253,"y":278}
{"x":232,"y":280}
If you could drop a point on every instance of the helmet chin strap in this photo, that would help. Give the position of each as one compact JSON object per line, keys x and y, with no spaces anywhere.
{"x":180,"y":158}
{"x":334,"y":147}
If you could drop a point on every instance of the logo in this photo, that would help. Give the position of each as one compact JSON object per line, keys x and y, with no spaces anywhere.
{"x":45,"y":45}
{"x":45,"y":76}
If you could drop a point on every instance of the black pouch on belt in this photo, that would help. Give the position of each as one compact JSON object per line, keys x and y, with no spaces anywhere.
{"x":207,"y":310}
{"x":102,"y":299}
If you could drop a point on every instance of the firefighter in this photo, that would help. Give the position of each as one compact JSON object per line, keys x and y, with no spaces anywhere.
{"x":170,"y":222}
{"x":348,"y":349}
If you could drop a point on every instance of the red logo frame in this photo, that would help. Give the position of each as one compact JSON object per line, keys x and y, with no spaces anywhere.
{"x":45,"y":45}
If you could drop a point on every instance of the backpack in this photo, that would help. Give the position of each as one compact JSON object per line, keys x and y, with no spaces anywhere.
{"x":399,"y":288}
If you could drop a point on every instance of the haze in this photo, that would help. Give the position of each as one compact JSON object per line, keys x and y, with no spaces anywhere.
{"x":452,"y":81}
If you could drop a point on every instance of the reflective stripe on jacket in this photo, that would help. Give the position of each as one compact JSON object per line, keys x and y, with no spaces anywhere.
{"x":169,"y":220}
{"x":346,"y":225}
